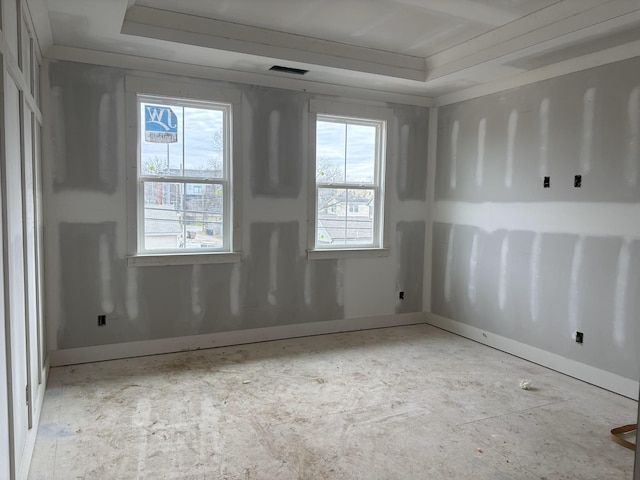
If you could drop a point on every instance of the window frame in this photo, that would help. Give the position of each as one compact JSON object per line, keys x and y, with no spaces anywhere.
{"x":351,"y":113}
{"x":186,"y":180}
{"x":144,"y":90}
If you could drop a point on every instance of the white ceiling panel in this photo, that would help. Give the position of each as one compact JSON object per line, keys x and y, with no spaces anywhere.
{"x":416,"y":47}
{"x":414,"y":27}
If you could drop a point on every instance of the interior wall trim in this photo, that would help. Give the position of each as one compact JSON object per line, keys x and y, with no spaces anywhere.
{"x":432,"y":160}
{"x":595,"y":376}
{"x":135,"y":63}
{"x":22,"y":470}
{"x":142,"y":348}
{"x":576,"y":64}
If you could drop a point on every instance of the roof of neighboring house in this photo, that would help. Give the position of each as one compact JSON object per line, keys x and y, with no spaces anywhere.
{"x":342,"y":198}
{"x":193,"y":173}
{"x":356,"y":227}
{"x":161,"y":220}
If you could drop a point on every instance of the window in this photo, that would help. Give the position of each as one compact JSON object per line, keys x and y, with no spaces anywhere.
{"x":183,"y":172}
{"x":349,"y":154}
{"x":183,"y":175}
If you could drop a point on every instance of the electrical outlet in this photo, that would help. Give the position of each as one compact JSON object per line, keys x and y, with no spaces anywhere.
{"x":579,"y":337}
{"x":401,"y":295}
{"x":102,"y":320}
{"x":547,"y":182}
{"x":577,"y":181}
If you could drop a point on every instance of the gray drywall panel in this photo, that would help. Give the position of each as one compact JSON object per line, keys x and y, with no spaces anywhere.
{"x":584,"y":123}
{"x":211,"y":298}
{"x":440,"y":304}
{"x":185,"y":300}
{"x":539,"y":289}
{"x":164,"y":297}
{"x":410,"y":276}
{"x":273,"y":287}
{"x":411,"y":132}
{"x":551,"y":303}
{"x":324,"y":279}
{"x":274,"y":284}
{"x":597,"y":310}
{"x":89,"y":281}
{"x":86,"y":108}
{"x":189,"y":300}
{"x":277,"y":127}
{"x":540,"y":285}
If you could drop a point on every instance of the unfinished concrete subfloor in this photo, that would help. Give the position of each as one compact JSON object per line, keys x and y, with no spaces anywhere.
{"x":397,"y":403}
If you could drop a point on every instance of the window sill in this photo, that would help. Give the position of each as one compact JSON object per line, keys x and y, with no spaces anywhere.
{"x":166,"y":259}
{"x":347,"y":253}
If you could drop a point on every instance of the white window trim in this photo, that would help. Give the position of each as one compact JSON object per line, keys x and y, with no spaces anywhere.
{"x":355,"y":111}
{"x":144,"y":86}
{"x":347,"y":253}
{"x":161,"y":260}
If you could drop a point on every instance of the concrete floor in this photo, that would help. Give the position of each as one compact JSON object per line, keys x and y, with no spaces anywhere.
{"x":398,"y":403}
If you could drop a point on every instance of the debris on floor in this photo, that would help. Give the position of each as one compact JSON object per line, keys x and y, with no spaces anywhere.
{"x":525,"y":384}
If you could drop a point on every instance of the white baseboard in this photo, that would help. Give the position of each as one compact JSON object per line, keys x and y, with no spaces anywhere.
{"x":25,"y":462}
{"x":595,"y":376}
{"x":581,"y":371}
{"x":179,"y":344}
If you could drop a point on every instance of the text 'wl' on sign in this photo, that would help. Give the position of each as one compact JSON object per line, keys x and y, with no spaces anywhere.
{"x":160,"y":124}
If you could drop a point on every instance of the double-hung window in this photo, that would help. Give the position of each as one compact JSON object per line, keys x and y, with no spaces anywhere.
{"x":183,"y":175}
{"x":349,"y":153}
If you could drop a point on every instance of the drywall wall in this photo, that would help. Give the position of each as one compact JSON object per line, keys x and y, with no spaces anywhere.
{"x":274,"y":284}
{"x":537,"y":264}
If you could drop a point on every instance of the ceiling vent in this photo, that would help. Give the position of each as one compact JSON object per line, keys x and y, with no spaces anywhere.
{"x":292,"y":71}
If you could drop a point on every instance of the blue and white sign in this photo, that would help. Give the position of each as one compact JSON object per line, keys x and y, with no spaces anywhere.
{"x":160,"y":124}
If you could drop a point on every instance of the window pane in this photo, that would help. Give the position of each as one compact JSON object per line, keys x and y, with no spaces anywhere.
{"x":344,"y":217}
{"x":203,"y":215}
{"x":203,"y":142}
{"x":182,"y":216}
{"x":163,"y":227}
{"x":360,"y":212}
{"x":177,"y":140}
{"x":331,"y":217}
{"x":361,"y":153}
{"x":330,"y":152}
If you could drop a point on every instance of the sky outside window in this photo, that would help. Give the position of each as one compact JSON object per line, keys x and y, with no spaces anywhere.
{"x":340,"y":144}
